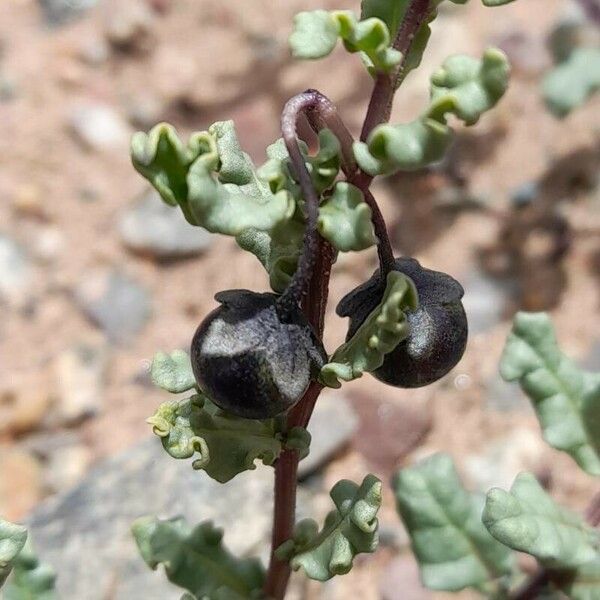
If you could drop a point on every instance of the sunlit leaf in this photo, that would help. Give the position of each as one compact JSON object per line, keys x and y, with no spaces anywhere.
{"x":566,"y":398}
{"x":348,"y":530}
{"x":12,"y":540}
{"x":453,"y":548}
{"x":173,"y":372}
{"x":528,"y":520}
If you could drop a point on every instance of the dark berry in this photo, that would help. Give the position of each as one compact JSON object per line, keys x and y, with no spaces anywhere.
{"x":438,"y":328}
{"x":252,"y":358}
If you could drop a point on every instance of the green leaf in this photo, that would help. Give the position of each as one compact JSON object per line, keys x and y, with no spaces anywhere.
{"x":316,"y":33}
{"x":468,"y":87}
{"x":12,"y":540}
{"x":565,"y":398}
{"x":404,"y":147}
{"x":452,"y":546}
{"x":196,"y":560}
{"x":345,"y":219}
{"x":528,"y":520}
{"x":211,"y":179}
{"x":173,"y":372}
{"x":226,"y":445}
{"x":381,"y":332}
{"x":30,"y":579}
{"x":237,"y":199}
{"x":348,"y":530}
{"x":572,"y":82}
{"x":465,"y":87}
{"x":164,"y":161}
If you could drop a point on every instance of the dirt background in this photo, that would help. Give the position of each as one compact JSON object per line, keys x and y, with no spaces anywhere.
{"x":70,"y":96}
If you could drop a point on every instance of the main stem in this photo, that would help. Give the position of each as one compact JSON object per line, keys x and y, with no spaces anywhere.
{"x":321,"y":113}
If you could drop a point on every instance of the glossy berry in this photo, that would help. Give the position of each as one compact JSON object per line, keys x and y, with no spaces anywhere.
{"x":252,"y":358}
{"x":438,"y":328}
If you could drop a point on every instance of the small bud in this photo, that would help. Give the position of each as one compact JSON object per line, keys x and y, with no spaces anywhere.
{"x":438,"y":328}
{"x":252,"y":358}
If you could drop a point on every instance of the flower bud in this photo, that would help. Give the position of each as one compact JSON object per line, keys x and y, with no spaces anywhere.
{"x":438,"y":327}
{"x":254,"y":359}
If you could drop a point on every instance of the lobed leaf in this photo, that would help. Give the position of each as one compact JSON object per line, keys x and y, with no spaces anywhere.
{"x":465,"y":87}
{"x":12,"y":541}
{"x":30,"y":578}
{"x":345,"y":219}
{"x":348,"y":530}
{"x":380,"y":333}
{"x":173,"y":372}
{"x":453,"y":548}
{"x":572,"y":82}
{"x":528,"y":520}
{"x":226,"y":445}
{"x":316,"y":33}
{"x":566,"y":399}
{"x":195,"y":559}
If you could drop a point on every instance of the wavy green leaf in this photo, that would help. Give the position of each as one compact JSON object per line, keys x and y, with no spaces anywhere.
{"x":348,"y":530}
{"x":381,"y":332}
{"x":211,"y":179}
{"x":173,"y":372}
{"x":12,"y":540}
{"x":345,"y":219}
{"x":30,"y":579}
{"x":465,"y":87}
{"x":571,"y":83}
{"x":316,"y":34}
{"x":196,"y":560}
{"x":528,"y":520}
{"x":453,"y":548}
{"x":225,"y":445}
{"x":566,"y":399}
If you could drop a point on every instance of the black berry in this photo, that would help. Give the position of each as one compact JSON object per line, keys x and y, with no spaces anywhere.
{"x":438,"y":328}
{"x":252,"y":358}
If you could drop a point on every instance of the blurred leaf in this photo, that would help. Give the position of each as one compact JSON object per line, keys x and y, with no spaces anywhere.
{"x":196,"y":560}
{"x":452,"y":546}
{"x":493,"y":3}
{"x":345,"y":219}
{"x":468,"y":87}
{"x":405,"y":147}
{"x":348,"y":530}
{"x":465,"y":87}
{"x":173,"y":372}
{"x":381,"y":332}
{"x":227,"y":445}
{"x":565,"y":398}
{"x":316,"y":33}
{"x":12,"y":540}
{"x":571,"y":83}
{"x":30,"y":579}
{"x":528,"y":520}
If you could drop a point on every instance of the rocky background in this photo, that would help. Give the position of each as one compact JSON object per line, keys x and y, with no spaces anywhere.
{"x":96,"y":274}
